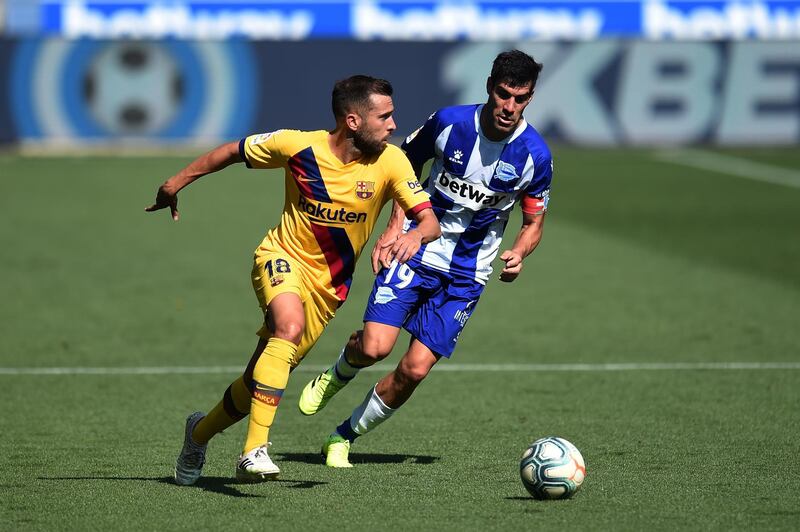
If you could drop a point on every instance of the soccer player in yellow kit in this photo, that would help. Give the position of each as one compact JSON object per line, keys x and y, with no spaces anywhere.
{"x":335,"y":186}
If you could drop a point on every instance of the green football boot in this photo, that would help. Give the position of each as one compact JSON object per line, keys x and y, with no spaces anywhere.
{"x":318,"y":392}
{"x":336,"y":451}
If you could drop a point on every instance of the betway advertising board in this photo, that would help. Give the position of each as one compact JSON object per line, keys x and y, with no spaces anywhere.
{"x":441,"y":20}
{"x":591,"y":93}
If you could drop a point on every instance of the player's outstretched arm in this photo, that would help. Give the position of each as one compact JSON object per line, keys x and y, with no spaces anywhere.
{"x":213,"y":161}
{"x":527,"y":239}
{"x":407,"y":244}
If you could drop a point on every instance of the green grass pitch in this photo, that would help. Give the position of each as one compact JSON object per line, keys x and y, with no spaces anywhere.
{"x":642,"y":262}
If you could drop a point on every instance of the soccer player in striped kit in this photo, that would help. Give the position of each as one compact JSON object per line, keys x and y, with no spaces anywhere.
{"x":335,"y":186}
{"x":486,"y":158}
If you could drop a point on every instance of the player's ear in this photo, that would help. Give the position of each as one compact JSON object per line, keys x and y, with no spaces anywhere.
{"x":352,"y":121}
{"x":489,"y":85}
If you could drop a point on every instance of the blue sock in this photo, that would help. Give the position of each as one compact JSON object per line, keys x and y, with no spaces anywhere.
{"x":345,"y":431}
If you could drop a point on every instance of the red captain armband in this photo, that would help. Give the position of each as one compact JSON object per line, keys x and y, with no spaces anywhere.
{"x":421,"y":207}
{"x":534,"y":206}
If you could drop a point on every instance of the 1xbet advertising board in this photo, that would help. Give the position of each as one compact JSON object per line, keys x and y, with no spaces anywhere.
{"x":601,"y":93}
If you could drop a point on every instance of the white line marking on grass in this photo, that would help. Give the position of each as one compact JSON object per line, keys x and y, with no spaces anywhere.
{"x":729,"y":165}
{"x":215,"y":370}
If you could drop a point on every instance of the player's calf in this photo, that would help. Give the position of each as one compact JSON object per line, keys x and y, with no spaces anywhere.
{"x":371,"y":345}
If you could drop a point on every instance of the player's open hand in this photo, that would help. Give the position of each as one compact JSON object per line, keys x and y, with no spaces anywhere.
{"x":382,"y":249}
{"x":513,"y":265}
{"x":165,"y":197}
{"x":406,"y":246}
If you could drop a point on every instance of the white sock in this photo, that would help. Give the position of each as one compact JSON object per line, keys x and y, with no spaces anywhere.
{"x":343,"y":370}
{"x":370,"y":413}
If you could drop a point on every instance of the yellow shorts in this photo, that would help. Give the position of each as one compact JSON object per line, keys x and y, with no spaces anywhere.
{"x":274,"y":273}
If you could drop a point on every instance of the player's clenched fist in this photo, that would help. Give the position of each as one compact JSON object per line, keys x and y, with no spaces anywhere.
{"x":513,"y":265}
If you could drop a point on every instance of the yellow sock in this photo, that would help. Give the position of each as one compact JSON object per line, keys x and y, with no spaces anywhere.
{"x":270,"y":375}
{"x":233,"y":407}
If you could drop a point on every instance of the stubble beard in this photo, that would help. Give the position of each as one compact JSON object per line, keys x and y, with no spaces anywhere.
{"x":368,"y":146}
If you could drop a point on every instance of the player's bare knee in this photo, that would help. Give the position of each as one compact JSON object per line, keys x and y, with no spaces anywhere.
{"x":373,"y":354}
{"x":411,"y":373}
{"x":291,"y":331}
{"x":369,"y":349}
{"x":375,"y":351}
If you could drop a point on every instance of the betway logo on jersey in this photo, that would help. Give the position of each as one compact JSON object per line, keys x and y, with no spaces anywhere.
{"x":320,"y":213}
{"x":471,"y":195}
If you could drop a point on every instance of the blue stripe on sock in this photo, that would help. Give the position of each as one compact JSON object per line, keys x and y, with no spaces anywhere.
{"x":345,"y":431}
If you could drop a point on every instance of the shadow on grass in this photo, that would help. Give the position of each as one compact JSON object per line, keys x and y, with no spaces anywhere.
{"x":362,"y":458}
{"x":221,"y":485}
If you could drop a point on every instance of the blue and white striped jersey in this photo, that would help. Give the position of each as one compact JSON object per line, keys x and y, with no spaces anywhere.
{"x":473,"y":184}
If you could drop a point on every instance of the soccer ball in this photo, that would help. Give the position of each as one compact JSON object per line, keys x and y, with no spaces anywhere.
{"x":552,"y":468}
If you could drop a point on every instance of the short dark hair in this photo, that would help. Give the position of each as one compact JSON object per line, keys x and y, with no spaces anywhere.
{"x":352,"y":94}
{"x":515,"y":68}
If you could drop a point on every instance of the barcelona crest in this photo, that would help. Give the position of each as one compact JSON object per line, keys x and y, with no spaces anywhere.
{"x":365,"y":189}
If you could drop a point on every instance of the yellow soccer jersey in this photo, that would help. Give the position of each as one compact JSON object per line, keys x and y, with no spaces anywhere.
{"x":330,"y":208}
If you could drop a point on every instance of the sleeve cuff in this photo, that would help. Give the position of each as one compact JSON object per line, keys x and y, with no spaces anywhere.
{"x":242,"y":153}
{"x":420,"y":207}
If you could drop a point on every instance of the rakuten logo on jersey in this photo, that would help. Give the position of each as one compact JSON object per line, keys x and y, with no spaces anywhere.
{"x":327,"y":215}
{"x":471,"y":195}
